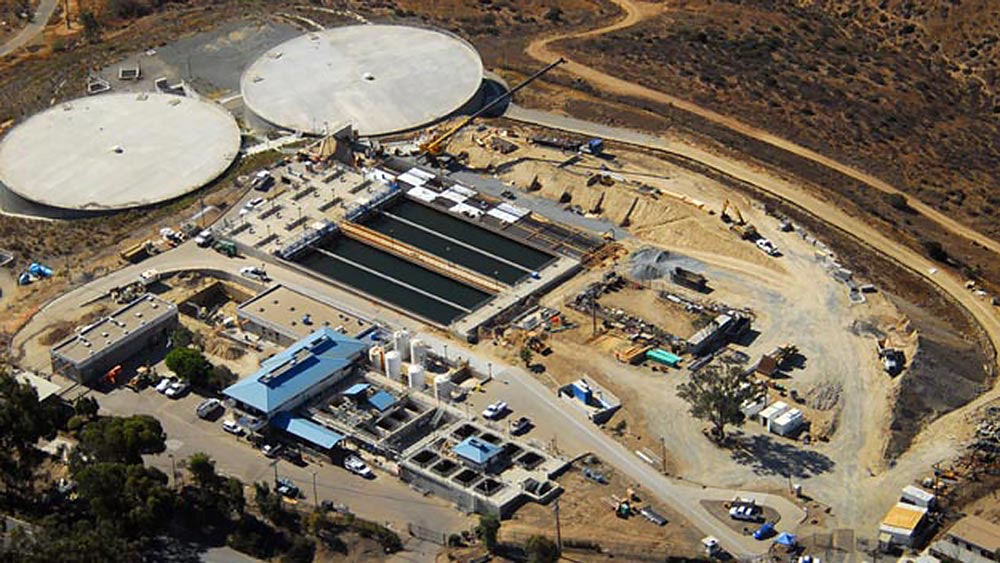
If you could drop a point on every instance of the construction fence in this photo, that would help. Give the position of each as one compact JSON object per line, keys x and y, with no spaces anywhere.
{"x":626,"y":551}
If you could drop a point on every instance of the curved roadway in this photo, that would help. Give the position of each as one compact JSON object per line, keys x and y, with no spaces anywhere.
{"x":34,"y":28}
{"x":577,"y":434}
{"x":542,"y":50}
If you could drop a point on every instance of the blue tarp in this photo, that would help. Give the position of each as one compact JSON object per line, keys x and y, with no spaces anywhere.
{"x":307,"y":430}
{"x":382,"y":400}
{"x":356,"y":389}
{"x":786,"y":539}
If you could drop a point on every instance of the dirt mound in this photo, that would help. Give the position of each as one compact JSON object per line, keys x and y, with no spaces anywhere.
{"x":648,"y":263}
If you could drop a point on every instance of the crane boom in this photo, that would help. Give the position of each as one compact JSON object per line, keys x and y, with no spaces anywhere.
{"x":436,"y":145}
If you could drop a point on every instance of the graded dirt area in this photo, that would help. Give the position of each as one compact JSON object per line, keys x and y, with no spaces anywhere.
{"x":586,"y":507}
{"x":795,"y":299}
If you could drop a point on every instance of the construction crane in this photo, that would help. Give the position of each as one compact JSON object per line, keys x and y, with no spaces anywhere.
{"x":436,"y":145}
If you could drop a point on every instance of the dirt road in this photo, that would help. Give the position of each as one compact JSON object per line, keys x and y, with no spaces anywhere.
{"x":542,"y":50}
{"x":45,"y":10}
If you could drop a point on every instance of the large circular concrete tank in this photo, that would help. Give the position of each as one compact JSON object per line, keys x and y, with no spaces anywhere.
{"x":416,"y":376}
{"x":401,"y":343}
{"x":418,"y":352}
{"x":394,"y":365}
{"x":376,"y":356}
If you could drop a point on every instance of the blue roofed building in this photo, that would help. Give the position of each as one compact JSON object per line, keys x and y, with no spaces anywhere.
{"x":301,"y":372}
{"x":477,"y":453}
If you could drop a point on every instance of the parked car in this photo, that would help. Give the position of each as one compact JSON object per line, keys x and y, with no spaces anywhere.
{"x":233,"y":428}
{"x":286,"y":488}
{"x":765,"y":531}
{"x":165,"y":383}
{"x":520,"y":426}
{"x":745,"y":512}
{"x":177,"y":389}
{"x":255,"y":273}
{"x":355,"y":465}
{"x":204,"y":238}
{"x":208,"y":407}
{"x":271,"y":450}
{"x":767,"y":246}
{"x":495,"y":410}
{"x":507,"y":194}
{"x":254,"y":203}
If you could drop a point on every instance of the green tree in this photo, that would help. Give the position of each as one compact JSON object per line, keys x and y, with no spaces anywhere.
{"x":488,"y":530}
{"x":202,"y":469}
{"x":715,"y":396}
{"x":134,"y":497}
{"x":302,"y":550}
{"x":189,"y":364}
{"x":122,"y":440}
{"x":91,"y":26}
{"x":541,"y":549}
{"x":233,"y":491}
{"x":23,"y":421}
{"x":526,"y":355}
{"x":268,"y":503}
{"x":86,"y":407}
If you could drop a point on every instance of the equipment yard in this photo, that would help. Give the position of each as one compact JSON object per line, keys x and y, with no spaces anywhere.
{"x":324,"y":245}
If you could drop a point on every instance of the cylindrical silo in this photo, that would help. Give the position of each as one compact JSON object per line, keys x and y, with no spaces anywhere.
{"x":418,"y":352}
{"x":416,"y":376}
{"x":401,"y":343}
{"x":376,"y":357}
{"x":393,"y":365}
{"x":442,"y":386}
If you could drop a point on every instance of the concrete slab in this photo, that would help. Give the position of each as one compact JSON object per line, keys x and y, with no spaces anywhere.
{"x":117,"y":151}
{"x":380,"y":78}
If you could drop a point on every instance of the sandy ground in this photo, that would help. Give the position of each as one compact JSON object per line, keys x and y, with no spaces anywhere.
{"x":796,"y":301}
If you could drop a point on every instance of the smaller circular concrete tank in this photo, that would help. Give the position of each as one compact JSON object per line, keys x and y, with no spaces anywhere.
{"x":394,"y":365}
{"x":376,"y":356}
{"x":416,"y":376}
{"x":401,"y":343}
{"x":418,"y":352}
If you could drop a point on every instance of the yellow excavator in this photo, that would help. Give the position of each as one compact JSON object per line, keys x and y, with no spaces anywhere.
{"x":436,"y":146}
{"x":726,"y":218}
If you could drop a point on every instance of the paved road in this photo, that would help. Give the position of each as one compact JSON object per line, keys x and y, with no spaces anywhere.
{"x":384,"y":499}
{"x":575,"y":433}
{"x":45,"y":10}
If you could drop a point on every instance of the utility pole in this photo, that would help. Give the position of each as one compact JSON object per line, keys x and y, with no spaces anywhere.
{"x":593,"y":315}
{"x":555,"y":508}
{"x":663,"y":454}
{"x":275,"y":465}
{"x":315,"y":493}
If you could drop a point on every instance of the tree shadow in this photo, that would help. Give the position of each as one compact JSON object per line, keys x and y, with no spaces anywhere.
{"x":766,"y":455}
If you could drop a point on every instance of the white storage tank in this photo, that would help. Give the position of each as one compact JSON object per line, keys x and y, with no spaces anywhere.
{"x":376,"y":356}
{"x":416,"y":376}
{"x":442,"y":386}
{"x":401,"y":343}
{"x":394,"y":365}
{"x":418,"y":352}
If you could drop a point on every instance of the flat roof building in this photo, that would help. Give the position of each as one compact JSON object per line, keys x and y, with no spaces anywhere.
{"x":476,"y":452}
{"x":97,"y":348}
{"x":284,"y":315}
{"x":903,"y":525}
{"x":303,"y":371}
{"x":971,"y":540}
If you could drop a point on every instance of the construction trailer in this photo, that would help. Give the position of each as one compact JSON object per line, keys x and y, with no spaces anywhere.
{"x":903,"y":526}
{"x":661,"y":356}
{"x":689,"y":279}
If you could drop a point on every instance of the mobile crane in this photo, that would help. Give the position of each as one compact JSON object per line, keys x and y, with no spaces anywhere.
{"x":436,"y":146}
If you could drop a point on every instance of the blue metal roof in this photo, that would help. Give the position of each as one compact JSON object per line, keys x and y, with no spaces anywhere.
{"x":382,"y":400}
{"x":307,"y":430}
{"x":477,"y":451}
{"x":300,"y":367}
{"x":356,"y":389}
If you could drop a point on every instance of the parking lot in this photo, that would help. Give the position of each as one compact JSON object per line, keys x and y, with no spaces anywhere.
{"x":383,"y":499}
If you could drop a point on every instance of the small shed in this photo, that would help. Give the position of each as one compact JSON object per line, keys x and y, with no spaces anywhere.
{"x":787,"y":422}
{"x":917,"y":496}
{"x":772,"y":412}
{"x":477,"y":453}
